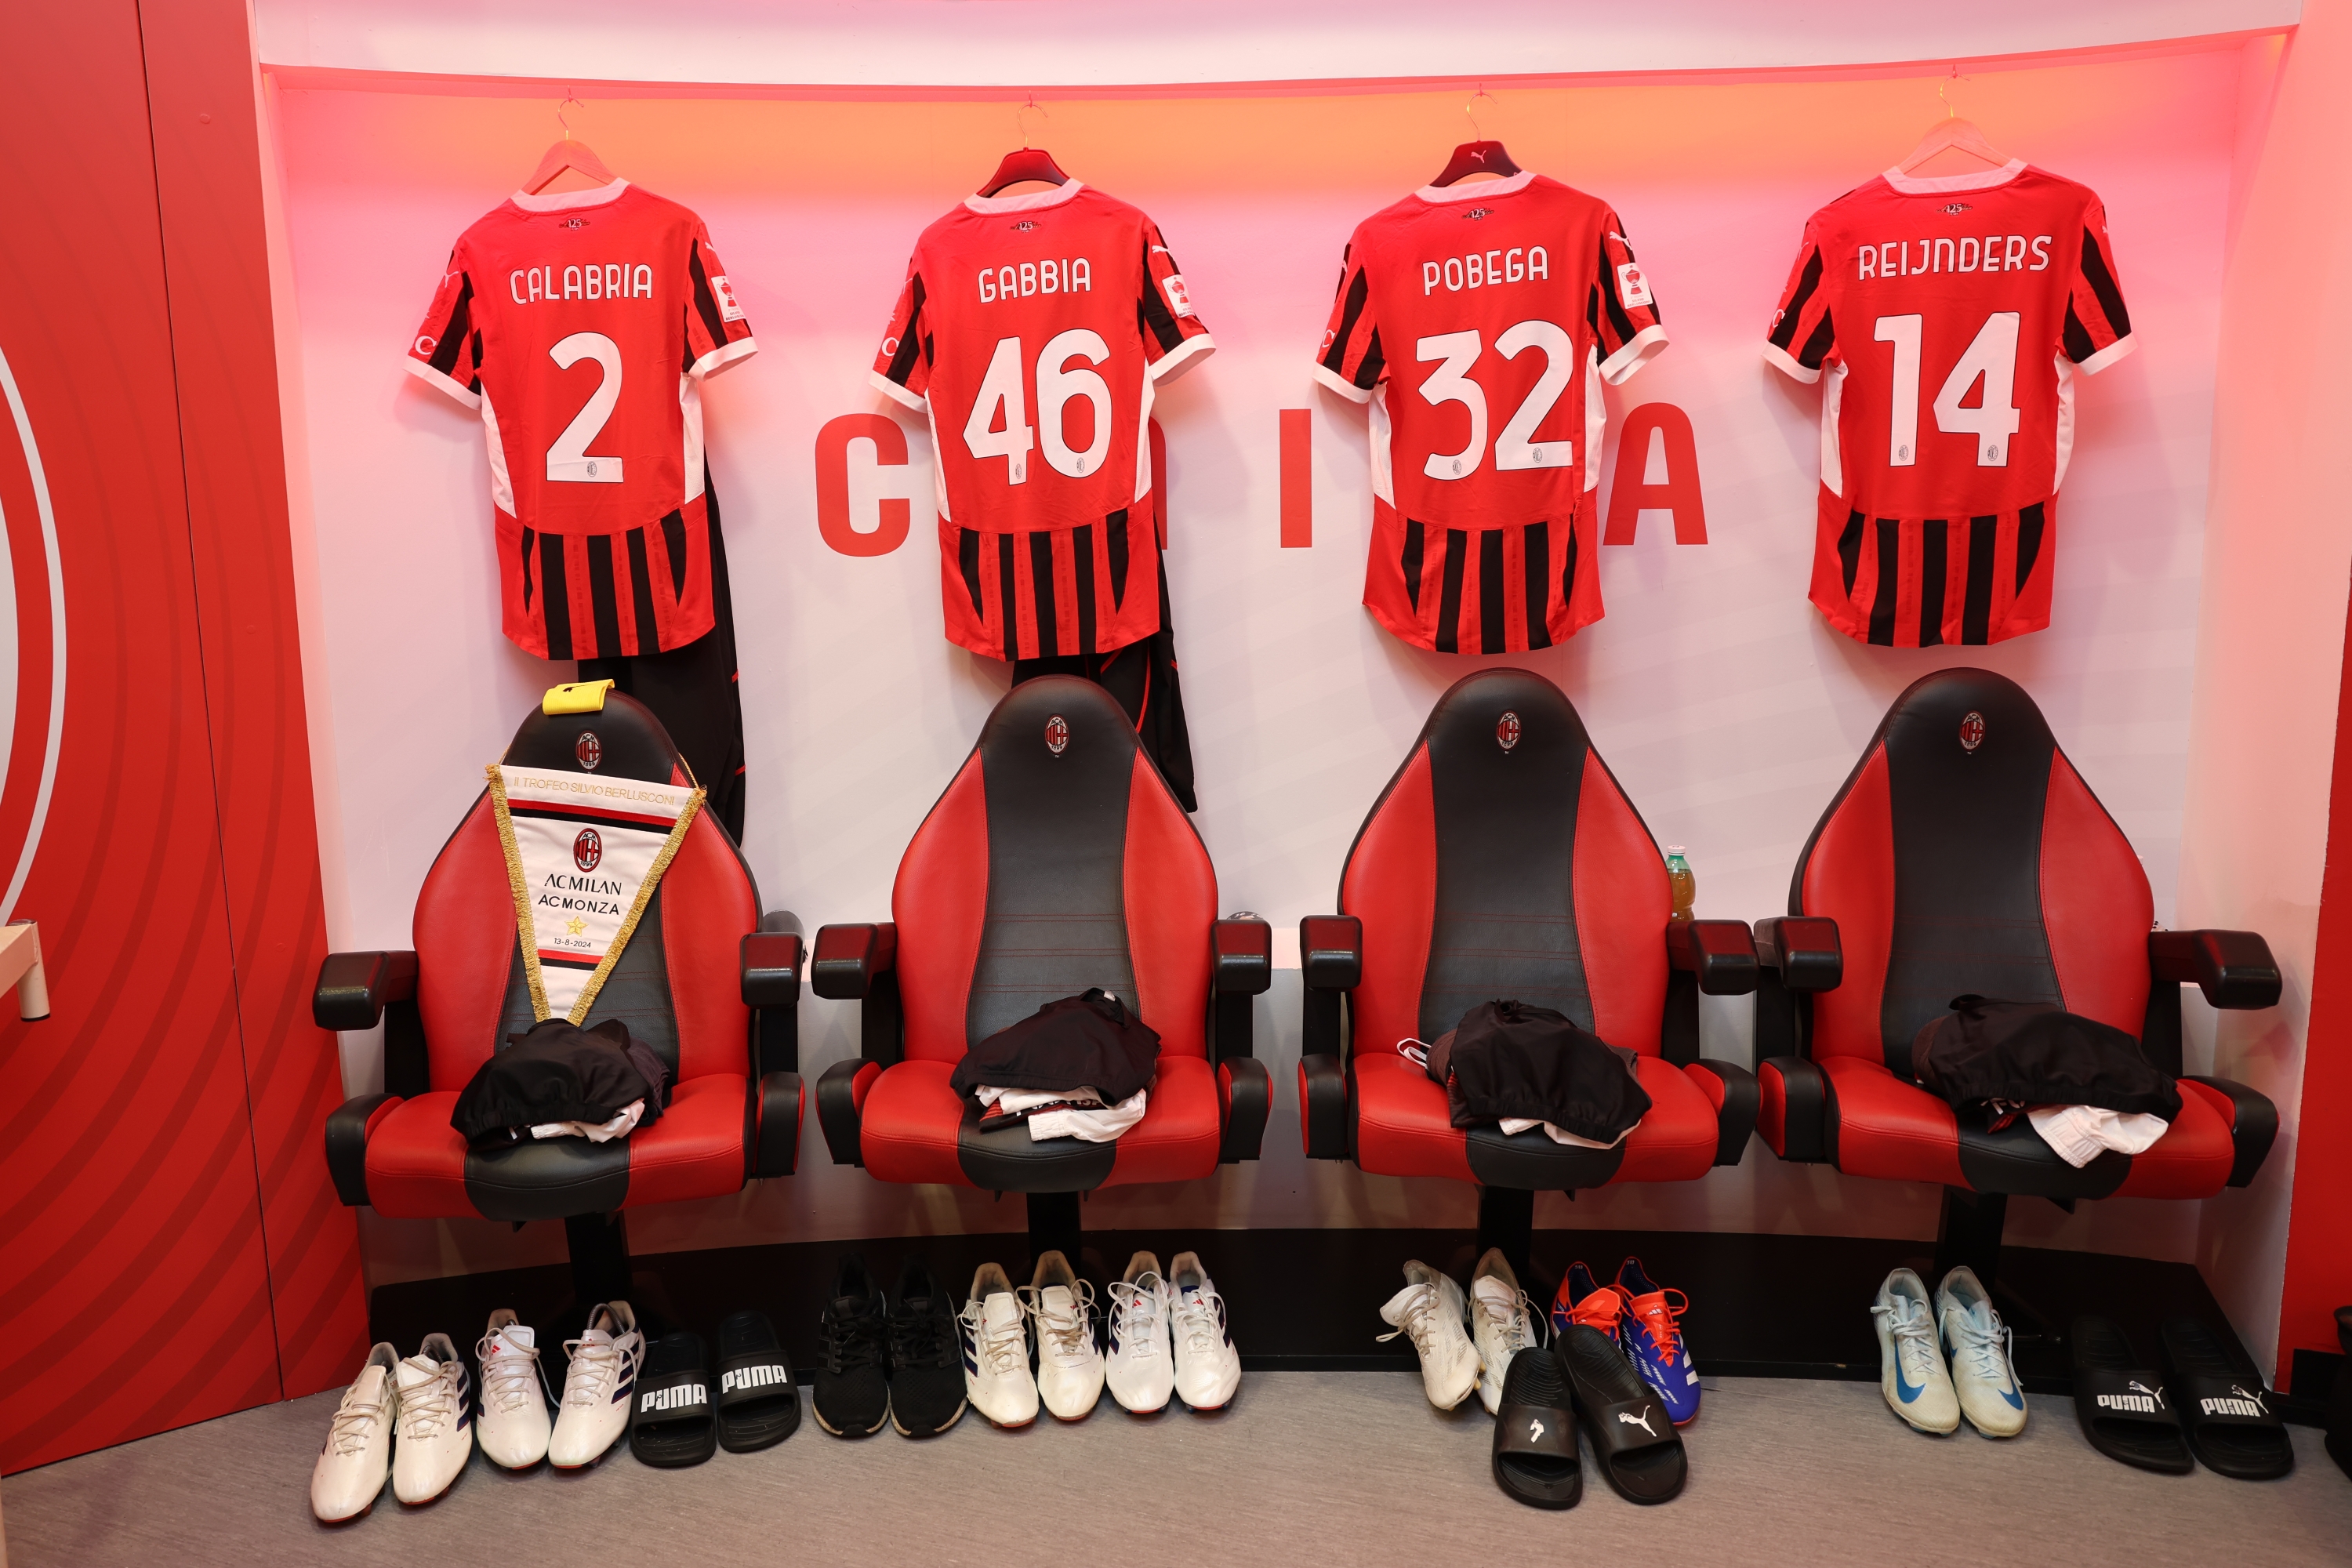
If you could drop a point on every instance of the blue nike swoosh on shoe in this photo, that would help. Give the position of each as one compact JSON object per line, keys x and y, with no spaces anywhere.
{"x":2016,"y":1401}
{"x":1909,"y":1391}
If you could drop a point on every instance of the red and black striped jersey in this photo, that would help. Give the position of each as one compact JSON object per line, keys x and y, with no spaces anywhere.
{"x":581,"y":325}
{"x":1038,"y":327}
{"x":1946,"y":318}
{"x":1504,"y":306}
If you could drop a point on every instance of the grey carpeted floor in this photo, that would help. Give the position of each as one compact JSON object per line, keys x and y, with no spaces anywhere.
{"x":1305,"y":1467}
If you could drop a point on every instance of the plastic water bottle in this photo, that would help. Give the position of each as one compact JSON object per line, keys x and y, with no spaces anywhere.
{"x":1683,"y":886}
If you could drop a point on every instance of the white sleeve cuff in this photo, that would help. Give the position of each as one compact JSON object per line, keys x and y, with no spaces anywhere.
{"x":1183,"y":357}
{"x":895,"y":393}
{"x":433,"y":378}
{"x":1779,"y":359}
{"x":1340,"y":385}
{"x":720,"y":358}
{"x":2108,"y":356}
{"x":1642,"y":347}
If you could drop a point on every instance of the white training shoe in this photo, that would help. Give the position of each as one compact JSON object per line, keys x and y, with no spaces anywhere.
{"x":435,"y":1421}
{"x":1142,"y":1366}
{"x":996,"y":1351}
{"x":1911,"y":1371}
{"x":515,"y":1425}
{"x":1984,"y":1371}
{"x":1069,"y":1365}
{"x":595,"y":1412}
{"x":1502,"y":1323}
{"x":1208,"y":1368}
{"x":1428,"y":1310}
{"x":357,"y":1458}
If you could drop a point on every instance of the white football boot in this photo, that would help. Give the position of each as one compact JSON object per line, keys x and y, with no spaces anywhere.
{"x":1429,"y":1311}
{"x":1502,"y":1323}
{"x":1984,"y":1371}
{"x":435,"y":1421}
{"x":995,"y":1335}
{"x":1208,"y":1368}
{"x":352,"y":1467}
{"x":1069,"y":1365}
{"x":1142,"y":1366}
{"x":1911,"y":1371}
{"x":596,"y":1387}
{"x":515,"y":1425}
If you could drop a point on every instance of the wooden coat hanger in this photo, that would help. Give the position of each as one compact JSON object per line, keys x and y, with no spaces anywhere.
{"x":1952,"y":134}
{"x":567,"y":153}
{"x":1476,"y":156}
{"x":1026,"y":163}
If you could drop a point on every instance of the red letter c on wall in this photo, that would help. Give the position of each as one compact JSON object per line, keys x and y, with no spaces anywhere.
{"x":833,"y":484}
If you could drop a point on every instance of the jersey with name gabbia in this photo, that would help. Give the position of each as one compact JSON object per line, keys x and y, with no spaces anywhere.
{"x":1501,"y":307}
{"x":581,"y":325}
{"x":1032,"y":331}
{"x":1944,"y":319}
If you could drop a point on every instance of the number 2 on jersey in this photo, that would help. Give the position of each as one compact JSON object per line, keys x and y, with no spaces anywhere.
{"x":1991,"y":354}
{"x":568,"y":461}
{"x":1451,"y":382}
{"x":1002,"y":398}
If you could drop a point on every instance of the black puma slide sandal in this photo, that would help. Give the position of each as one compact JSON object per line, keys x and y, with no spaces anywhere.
{"x":757,"y":1406}
{"x":2223,"y":1407}
{"x":2124,"y":1407}
{"x":1535,"y":1435}
{"x":1632,"y":1437}
{"x":670,"y":1423}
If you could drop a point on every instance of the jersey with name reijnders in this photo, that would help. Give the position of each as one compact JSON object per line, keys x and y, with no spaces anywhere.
{"x":1479,"y":322}
{"x":1946,"y":318}
{"x":1032,"y":331}
{"x":581,"y":325}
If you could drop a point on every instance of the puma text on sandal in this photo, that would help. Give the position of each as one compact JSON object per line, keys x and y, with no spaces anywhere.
{"x":757,"y":1406}
{"x":2123,"y":1405}
{"x":671,"y":1423}
{"x":2224,"y":1406}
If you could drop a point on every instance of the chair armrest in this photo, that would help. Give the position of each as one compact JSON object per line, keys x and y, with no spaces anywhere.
{"x":1331,"y":952}
{"x":849,"y":958}
{"x":1803,"y":950}
{"x":782,"y":1102}
{"x":771,"y":969}
{"x":1323,"y":1107}
{"x":1733,"y":1091}
{"x":2253,"y":1124}
{"x":354,"y":987}
{"x":348,"y":1126}
{"x":1793,"y":1109}
{"x":2233,"y":968}
{"x":1242,"y":946}
{"x":1248,"y":1092}
{"x":841,"y":1107}
{"x":1722,"y":954}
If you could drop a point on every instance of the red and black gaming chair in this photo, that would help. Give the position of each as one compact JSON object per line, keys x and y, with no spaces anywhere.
{"x":1503,"y":860}
{"x":1057,"y":860}
{"x":712,"y":987}
{"x":1965,"y":854}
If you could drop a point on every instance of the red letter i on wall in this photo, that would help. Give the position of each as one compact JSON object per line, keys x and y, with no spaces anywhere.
{"x":1297,"y":479}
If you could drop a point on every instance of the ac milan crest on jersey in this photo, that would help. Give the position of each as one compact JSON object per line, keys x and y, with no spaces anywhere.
{"x":580,"y":326}
{"x":1484,"y":368}
{"x":1032,"y":331}
{"x":1946,"y":335}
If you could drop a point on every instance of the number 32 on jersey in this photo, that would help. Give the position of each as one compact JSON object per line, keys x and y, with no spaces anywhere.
{"x":1451,"y":382}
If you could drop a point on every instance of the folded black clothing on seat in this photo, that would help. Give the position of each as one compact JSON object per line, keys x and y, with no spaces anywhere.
{"x":670,"y":1421}
{"x":557,"y":1071}
{"x":2123,"y":1406}
{"x":1092,"y":1041}
{"x":1508,"y":1059}
{"x":2036,"y":1053}
{"x":758,"y":1404}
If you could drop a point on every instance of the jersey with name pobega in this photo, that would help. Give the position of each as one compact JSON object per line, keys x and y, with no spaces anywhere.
{"x":1032,"y":331}
{"x":1479,"y":321}
{"x":1946,"y":318}
{"x":581,"y":324}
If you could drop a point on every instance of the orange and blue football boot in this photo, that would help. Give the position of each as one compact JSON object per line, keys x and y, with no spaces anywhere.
{"x":1581,"y":1299}
{"x":1653,"y":1339}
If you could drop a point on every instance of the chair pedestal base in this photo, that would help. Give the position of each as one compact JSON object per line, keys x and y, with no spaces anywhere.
{"x":1968,"y":1234}
{"x":1054,"y":1227}
{"x":1506,"y":1219}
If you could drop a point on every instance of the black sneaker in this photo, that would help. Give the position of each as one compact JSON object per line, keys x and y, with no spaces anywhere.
{"x":926,"y":1387}
{"x":853,"y":1375}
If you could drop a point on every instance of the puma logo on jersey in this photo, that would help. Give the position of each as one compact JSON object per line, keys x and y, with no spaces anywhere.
{"x":1482,"y":269}
{"x":1642,"y":1421}
{"x":760,"y":1376}
{"x":1066,"y":274}
{"x":677,"y":1398}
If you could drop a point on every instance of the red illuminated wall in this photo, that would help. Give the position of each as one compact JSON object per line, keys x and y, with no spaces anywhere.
{"x":170,"y":1245}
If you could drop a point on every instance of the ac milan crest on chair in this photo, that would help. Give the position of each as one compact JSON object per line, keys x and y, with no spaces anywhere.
{"x":1965,"y":854}
{"x":1057,"y":860}
{"x":705,"y":981}
{"x":1503,"y":861}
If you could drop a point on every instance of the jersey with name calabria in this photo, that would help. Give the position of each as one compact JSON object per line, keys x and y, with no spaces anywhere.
{"x":581,"y":325}
{"x":1946,"y":318}
{"x":1032,"y":331}
{"x":1500,"y":307}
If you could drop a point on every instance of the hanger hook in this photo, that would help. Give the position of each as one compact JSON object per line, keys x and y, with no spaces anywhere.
{"x":1469,"y":110}
{"x":569,"y":98}
{"x":1020,"y":117}
{"x":1950,"y":112}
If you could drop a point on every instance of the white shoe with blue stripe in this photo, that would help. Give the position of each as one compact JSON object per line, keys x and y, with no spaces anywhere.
{"x":1911,"y":1371}
{"x":1984,"y":1371}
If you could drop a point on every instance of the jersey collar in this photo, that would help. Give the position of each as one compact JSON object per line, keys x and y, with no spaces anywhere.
{"x":1477,"y":190}
{"x":1912,"y":185}
{"x":1029,"y":203}
{"x":564,"y":200}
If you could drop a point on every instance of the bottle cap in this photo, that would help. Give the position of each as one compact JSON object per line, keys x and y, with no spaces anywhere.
{"x":1673,"y":848}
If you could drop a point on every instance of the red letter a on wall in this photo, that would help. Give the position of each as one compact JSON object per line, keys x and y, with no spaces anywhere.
{"x":1631,"y":494}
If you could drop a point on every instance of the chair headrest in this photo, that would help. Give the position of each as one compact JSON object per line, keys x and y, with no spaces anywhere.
{"x":1054,"y":729}
{"x":1970,"y":724}
{"x":1511,"y":719}
{"x":622,"y":741}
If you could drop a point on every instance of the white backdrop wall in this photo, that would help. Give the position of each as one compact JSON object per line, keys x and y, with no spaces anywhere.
{"x":1727,"y":710}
